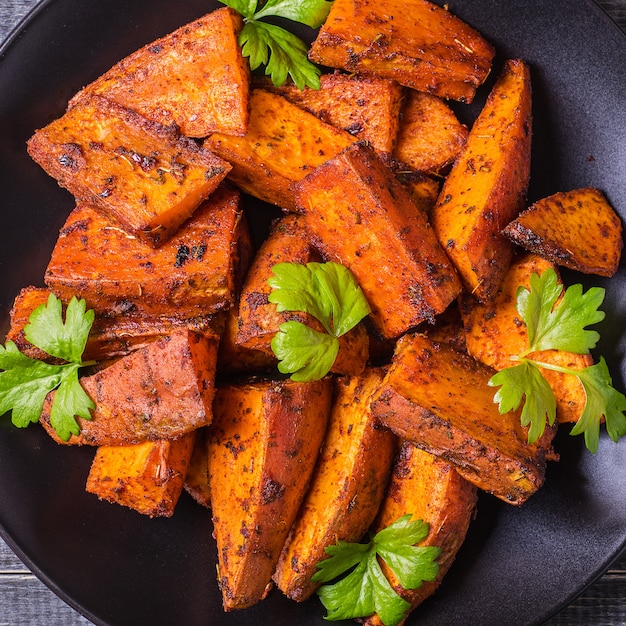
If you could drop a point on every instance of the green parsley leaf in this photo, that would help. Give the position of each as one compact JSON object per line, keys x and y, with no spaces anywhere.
{"x":329,"y":293}
{"x":282,"y":53}
{"x":365,"y":590}
{"x":25,"y":382}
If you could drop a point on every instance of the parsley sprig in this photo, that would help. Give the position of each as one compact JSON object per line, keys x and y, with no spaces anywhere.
{"x":366,"y":590}
{"x":327,"y":291}
{"x":25,"y":382}
{"x":282,"y":53}
{"x":554,"y":324}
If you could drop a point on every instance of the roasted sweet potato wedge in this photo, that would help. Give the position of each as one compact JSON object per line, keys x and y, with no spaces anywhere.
{"x":487,"y":185}
{"x":414,"y":42}
{"x":193,"y":273}
{"x":392,"y":250}
{"x":147,"y":477}
{"x":139,"y":172}
{"x":283,"y":144}
{"x":431,"y":490}
{"x":197,"y":478}
{"x":347,"y":486}
{"x":494,"y":333}
{"x":263,"y":445}
{"x":578,"y":229}
{"x":430,"y":135}
{"x":195,"y":77}
{"x":366,"y":107}
{"x":161,"y":391}
{"x":439,"y":399}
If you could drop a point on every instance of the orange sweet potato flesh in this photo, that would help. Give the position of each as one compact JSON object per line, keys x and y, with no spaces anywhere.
{"x":366,"y":107}
{"x":161,"y":391}
{"x":263,"y":445}
{"x":347,"y":486}
{"x":141,"y":173}
{"x":193,"y":273}
{"x":578,"y":229}
{"x":431,"y":490}
{"x":392,"y":250}
{"x":494,"y":333}
{"x":197,"y":477}
{"x":147,"y":477}
{"x":414,"y":42}
{"x":195,"y":77}
{"x":283,"y":144}
{"x":486,"y":187}
{"x":439,"y":399}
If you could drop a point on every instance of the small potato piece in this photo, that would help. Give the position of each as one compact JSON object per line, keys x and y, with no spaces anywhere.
{"x":347,"y":486}
{"x":494,"y":333}
{"x":159,"y":392}
{"x":366,"y":107}
{"x":147,"y":477}
{"x":439,"y":399}
{"x":414,"y":42}
{"x":195,"y":77}
{"x":430,"y":135}
{"x":392,"y":250}
{"x":282,"y":145}
{"x":578,"y":229}
{"x":430,"y":490}
{"x":263,"y":445}
{"x":138,"y":172}
{"x":487,"y":185}
{"x":197,"y":478}
{"x":194,"y":273}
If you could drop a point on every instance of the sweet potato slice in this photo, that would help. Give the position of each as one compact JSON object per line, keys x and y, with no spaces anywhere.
{"x":282,"y":145}
{"x":139,"y":172}
{"x":414,"y":42}
{"x":430,"y":135}
{"x":430,"y":490}
{"x":578,"y":229}
{"x":197,"y":478}
{"x":366,"y":107}
{"x":263,"y":445}
{"x":159,"y":392}
{"x":487,"y":185}
{"x":147,"y":477}
{"x":494,"y":333}
{"x":392,"y":250}
{"x":193,"y":273}
{"x":195,"y":77}
{"x":439,"y":399}
{"x":347,"y":486}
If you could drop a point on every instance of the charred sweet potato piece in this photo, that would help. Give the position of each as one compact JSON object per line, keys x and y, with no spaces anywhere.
{"x":487,"y":185}
{"x":161,"y":391}
{"x":263,"y":445}
{"x":195,"y":77}
{"x":197,"y":478}
{"x":283,"y":143}
{"x":424,"y":189}
{"x":414,"y":42}
{"x":392,"y":250}
{"x":366,"y":107}
{"x":139,"y":172}
{"x":439,"y":399}
{"x":347,"y":486}
{"x":431,"y":490}
{"x":147,"y":477}
{"x":578,"y":229}
{"x":494,"y":333}
{"x":193,"y":273}
{"x":430,"y":135}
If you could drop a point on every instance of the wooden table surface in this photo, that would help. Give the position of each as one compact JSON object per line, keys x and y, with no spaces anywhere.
{"x":26,"y":601}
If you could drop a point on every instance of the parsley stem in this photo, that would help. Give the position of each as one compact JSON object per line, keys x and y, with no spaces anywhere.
{"x":547,"y":366}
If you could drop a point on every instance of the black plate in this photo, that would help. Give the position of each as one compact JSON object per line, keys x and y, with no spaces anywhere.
{"x":519,"y":565}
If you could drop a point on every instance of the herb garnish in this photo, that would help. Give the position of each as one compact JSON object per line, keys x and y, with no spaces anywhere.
{"x":561,"y":325}
{"x":25,"y":382}
{"x":366,"y":590}
{"x":328,"y":292}
{"x":281,"y":52}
